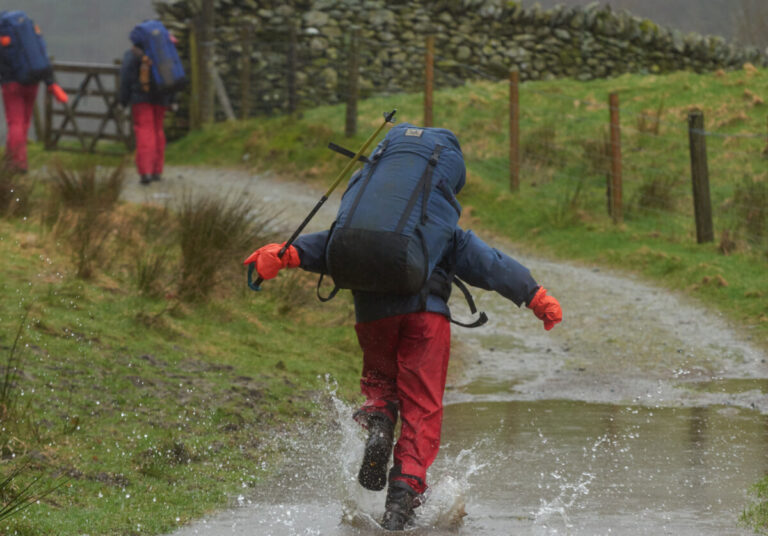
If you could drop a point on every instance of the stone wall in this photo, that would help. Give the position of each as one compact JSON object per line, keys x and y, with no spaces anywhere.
{"x":473,"y":39}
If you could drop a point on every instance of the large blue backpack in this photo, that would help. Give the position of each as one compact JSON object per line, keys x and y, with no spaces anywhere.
{"x":22,"y":48}
{"x":167,"y":71}
{"x":399,"y":213}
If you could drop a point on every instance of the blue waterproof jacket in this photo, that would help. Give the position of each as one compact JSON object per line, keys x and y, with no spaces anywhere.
{"x":8,"y":75}
{"x":130,"y":86}
{"x":473,"y":261}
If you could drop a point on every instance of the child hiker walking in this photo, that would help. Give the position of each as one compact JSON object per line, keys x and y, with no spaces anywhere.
{"x":401,"y":305}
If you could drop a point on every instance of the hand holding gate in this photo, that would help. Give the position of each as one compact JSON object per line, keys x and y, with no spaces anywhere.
{"x":58,"y":93}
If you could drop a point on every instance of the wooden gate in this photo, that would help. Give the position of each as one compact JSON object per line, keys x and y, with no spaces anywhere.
{"x":84,"y":119}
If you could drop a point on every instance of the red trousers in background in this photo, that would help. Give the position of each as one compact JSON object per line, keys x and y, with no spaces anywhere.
{"x":19,"y":101}
{"x":405,"y":361}
{"x":150,"y":137}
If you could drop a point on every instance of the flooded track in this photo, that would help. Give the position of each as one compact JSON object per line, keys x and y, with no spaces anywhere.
{"x":641,"y":414}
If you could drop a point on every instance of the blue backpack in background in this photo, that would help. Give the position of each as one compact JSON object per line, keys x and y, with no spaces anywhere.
{"x":398,"y":214}
{"x":167,"y":71}
{"x":22,"y":49}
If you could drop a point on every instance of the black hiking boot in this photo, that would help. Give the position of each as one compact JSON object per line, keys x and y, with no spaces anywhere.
{"x":155,"y":177}
{"x":378,"y":447}
{"x":399,"y":506}
{"x":145,"y":179}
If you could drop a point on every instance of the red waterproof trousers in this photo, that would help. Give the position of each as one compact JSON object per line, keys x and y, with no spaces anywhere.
{"x":405,"y":361}
{"x":18,"y":100}
{"x":150,"y":137}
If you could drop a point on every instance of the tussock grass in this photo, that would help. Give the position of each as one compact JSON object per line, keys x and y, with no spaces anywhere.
{"x":92,"y":187}
{"x":15,"y":192}
{"x":21,"y":482}
{"x":213,"y":234}
{"x":81,"y":207}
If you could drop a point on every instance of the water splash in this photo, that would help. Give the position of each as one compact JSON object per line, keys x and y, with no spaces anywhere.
{"x":444,"y":504}
{"x":570,"y":491}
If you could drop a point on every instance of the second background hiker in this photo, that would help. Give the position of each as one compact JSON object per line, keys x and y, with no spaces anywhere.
{"x":150,"y":76}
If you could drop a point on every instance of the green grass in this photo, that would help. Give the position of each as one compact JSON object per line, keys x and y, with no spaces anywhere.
{"x":156,"y":416}
{"x":755,"y":516}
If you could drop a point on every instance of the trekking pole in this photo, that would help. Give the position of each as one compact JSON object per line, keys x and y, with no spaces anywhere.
{"x":256,"y":285}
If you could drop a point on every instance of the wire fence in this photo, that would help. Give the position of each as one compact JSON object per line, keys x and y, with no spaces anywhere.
{"x":565,"y":142}
{"x":632,"y":159}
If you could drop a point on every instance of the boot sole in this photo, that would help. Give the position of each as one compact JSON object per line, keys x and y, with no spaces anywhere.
{"x":373,"y":471}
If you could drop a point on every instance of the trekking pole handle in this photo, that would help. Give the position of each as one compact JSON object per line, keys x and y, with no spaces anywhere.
{"x":256,"y":285}
{"x":388,"y":117}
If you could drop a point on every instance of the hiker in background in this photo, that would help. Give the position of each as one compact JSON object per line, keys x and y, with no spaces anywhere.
{"x":24,"y":64}
{"x":151,"y":73}
{"x":406,"y":190}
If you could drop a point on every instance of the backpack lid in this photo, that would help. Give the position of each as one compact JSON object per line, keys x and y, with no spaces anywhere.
{"x":139,"y":32}
{"x":424,"y":140}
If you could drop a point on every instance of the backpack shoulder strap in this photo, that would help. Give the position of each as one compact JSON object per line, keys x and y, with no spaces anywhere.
{"x":425,"y":184}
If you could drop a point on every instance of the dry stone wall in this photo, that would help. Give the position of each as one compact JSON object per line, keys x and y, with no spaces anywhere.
{"x":473,"y":39}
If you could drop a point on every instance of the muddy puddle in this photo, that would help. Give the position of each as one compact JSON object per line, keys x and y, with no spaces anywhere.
{"x":642,"y":413}
{"x":543,"y":467}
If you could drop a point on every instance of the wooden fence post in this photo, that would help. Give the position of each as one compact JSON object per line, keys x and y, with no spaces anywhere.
{"x":700,"y":176}
{"x":429,"y":74}
{"x":615,"y":190}
{"x":514,"y":130}
{"x":292,"y":66}
{"x":48,"y":123}
{"x":350,"y":128}
{"x":205,"y":46}
{"x":221,"y":94}
{"x":194,"y":76}
{"x":246,"y":39}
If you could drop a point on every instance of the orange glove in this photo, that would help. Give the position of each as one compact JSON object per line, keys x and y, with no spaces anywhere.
{"x":58,"y":93}
{"x":268,"y":264}
{"x":546,"y":308}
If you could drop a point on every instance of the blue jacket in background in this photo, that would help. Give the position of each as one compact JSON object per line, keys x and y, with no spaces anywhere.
{"x":473,"y":260}
{"x":8,"y":75}
{"x":130,"y":86}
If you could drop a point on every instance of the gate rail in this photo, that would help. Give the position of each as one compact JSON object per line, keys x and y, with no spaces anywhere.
{"x":93,"y":84}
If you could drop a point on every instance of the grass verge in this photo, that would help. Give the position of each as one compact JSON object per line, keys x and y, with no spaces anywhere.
{"x":153,"y":410}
